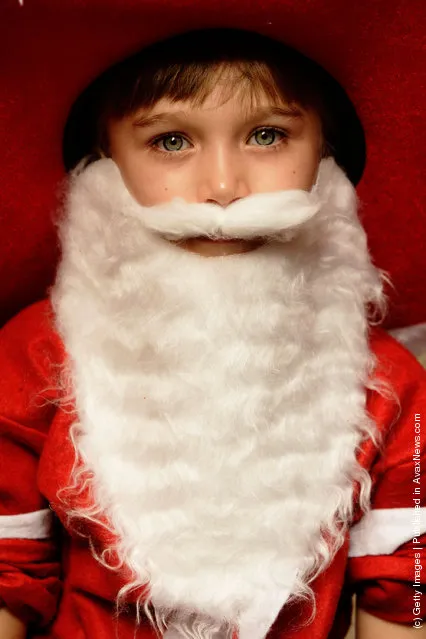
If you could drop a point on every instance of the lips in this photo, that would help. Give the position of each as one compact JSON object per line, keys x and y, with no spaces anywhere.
{"x":217,"y":241}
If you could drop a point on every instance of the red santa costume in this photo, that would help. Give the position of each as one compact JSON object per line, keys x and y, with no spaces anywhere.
{"x":228,"y":447}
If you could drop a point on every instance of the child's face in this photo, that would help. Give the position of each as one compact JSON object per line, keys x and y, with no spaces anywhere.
{"x":218,"y":153}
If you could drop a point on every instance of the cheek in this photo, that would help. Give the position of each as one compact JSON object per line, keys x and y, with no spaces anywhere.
{"x":291,"y":172}
{"x":305,"y":173}
{"x":150,"y":183}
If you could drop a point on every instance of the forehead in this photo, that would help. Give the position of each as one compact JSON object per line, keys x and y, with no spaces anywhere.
{"x":230,"y":90}
{"x":226,"y":101}
{"x":239,"y":102}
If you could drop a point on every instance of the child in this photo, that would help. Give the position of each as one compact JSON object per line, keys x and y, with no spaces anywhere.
{"x":207,"y":403}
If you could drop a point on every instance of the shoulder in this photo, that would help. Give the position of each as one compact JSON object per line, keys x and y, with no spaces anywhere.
{"x":36,"y":318}
{"x":34,"y":325}
{"x":30,"y":349}
{"x":397,"y":410}
{"x":395,"y":361}
{"x":398,"y":414}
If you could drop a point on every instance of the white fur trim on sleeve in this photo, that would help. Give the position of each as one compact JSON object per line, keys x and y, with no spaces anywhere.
{"x":35,"y":525}
{"x":381,"y":531}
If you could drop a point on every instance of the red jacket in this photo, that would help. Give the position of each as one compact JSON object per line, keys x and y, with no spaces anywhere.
{"x":53,"y":582}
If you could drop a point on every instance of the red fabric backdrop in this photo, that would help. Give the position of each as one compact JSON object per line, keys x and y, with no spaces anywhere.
{"x":51,"y":49}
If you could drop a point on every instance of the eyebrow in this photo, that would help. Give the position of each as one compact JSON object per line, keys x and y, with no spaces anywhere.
{"x":150,"y":120}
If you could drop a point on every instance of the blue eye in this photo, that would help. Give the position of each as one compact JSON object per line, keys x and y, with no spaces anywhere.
{"x":171,"y":142}
{"x":266,"y":136}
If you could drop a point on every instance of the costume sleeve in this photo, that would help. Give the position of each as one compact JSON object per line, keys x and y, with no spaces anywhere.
{"x":29,"y":566}
{"x":387,"y":556}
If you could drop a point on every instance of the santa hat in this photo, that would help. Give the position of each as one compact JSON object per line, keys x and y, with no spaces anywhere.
{"x":53,"y":50}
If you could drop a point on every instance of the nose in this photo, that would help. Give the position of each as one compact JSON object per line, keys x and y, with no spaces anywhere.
{"x":222,"y":178}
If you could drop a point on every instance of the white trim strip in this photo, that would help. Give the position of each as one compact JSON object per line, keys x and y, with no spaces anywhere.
{"x":35,"y":525}
{"x":381,"y":531}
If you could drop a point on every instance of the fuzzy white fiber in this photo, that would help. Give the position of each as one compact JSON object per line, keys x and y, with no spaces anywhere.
{"x":220,"y":400}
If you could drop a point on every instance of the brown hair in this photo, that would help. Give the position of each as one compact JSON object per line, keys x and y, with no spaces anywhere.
{"x":187,"y":66}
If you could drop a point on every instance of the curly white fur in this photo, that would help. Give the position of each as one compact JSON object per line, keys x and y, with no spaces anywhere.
{"x":221,"y":400}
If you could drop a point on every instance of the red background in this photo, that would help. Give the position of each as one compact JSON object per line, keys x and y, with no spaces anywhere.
{"x":51,"y":49}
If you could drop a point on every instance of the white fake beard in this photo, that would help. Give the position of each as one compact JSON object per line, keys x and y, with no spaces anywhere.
{"x":220,"y":400}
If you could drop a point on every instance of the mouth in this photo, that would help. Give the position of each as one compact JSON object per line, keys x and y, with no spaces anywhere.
{"x":227,"y":240}
{"x":218,"y":240}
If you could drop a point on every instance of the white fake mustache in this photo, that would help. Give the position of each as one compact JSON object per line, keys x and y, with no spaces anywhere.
{"x":276,"y":215}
